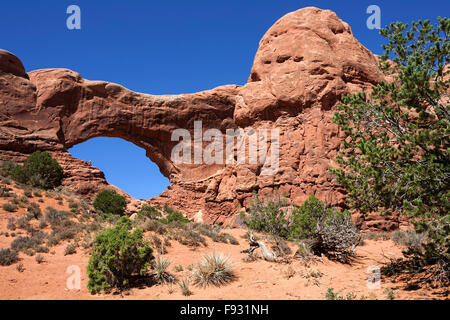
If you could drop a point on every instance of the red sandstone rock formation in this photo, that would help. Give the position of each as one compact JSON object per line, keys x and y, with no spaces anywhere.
{"x":304,"y":63}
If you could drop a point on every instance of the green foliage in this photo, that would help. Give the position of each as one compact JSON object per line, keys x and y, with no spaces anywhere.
{"x":269,"y":216}
{"x":117,"y":255}
{"x":395,"y":154}
{"x":332,"y":232}
{"x":38,"y":170}
{"x":109,"y":202}
{"x":173,"y":216}
{"x":305,"y":218}
{"x":331,"y":295}
{"x":149,"y":212}
{"x":389,"y":293}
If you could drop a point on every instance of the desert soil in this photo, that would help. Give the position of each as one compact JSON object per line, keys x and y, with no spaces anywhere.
{"x":257,"y":280}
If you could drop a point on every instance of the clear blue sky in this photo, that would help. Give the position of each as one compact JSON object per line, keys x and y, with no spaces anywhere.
{"x":166,"y":47}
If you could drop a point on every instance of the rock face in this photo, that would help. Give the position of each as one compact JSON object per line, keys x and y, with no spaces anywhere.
{"x":304,"y":63}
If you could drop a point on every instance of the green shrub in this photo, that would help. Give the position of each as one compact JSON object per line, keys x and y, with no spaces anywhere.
{"x":8,"y":257}
{"x":173,"y":216}
{"x":149,"y":212}
{"x":331,"y":231}
{"x":394,"y":155}
{"x":331,"y":295}
{"x":305,"y":218}
{"x":38,"y":170}
{"x":110,"y":202}
{"x":117,"y":256}
{"x":269,"y":216}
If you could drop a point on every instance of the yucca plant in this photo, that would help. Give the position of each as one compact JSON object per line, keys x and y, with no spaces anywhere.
{"x":214,"y":269}
{"x":160,"y":274}
{"x":185,"y":289}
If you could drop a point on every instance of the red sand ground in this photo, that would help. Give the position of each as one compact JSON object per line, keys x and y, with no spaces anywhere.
{"x":258,"y":280}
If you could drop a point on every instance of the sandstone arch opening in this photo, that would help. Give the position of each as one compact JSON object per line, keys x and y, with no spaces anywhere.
{"x":124,"y":164}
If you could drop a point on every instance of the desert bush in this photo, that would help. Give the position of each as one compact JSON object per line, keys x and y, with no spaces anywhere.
{"x":178,"y":268}
{"x":55,"y":217}
{"x":28,"y":193}
{"x":376,"y":236}
{"x":117,"y":256}
{"x":71,"y":248}
{"x":11,"y":224}
{"x":8,"y":257}
{"x":6,"y":167}
{"x":268,"y":216}
{"x":331,"y":295}
{"x":39,"y":259}
{"x":38,"y":170}
{"x":251,"y":257}
{"x":230,"y":239}
{"x":10,"y":207}
{"x":5,"y":192}
{"x":110,"y":202}
{"x":305,"y":218}
{"x":24,"y":222}
{"x":62,"y":233}
{"x":42,"y":223}
{"x":213,"y":269}
{"x":153,"y":225}
{"x":34,"y":210}
{"x":148,"y":211}
{"x":190,"y":238}
{"x":37,"y":193}
{"x":160,"y":273}
{"x":159,"y":245}
{"x":303,"y":252}
{"x":281,"y":248}
{"x":409,"y":238}
{"x":331,"y":232}
{"x":42,"y":249}
{"x":336,"y":236}
{"x":26,"y":243}
{"x":173,"y":216}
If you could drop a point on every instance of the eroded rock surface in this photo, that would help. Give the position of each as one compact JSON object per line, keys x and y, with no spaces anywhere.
{"x":304,"y":63}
